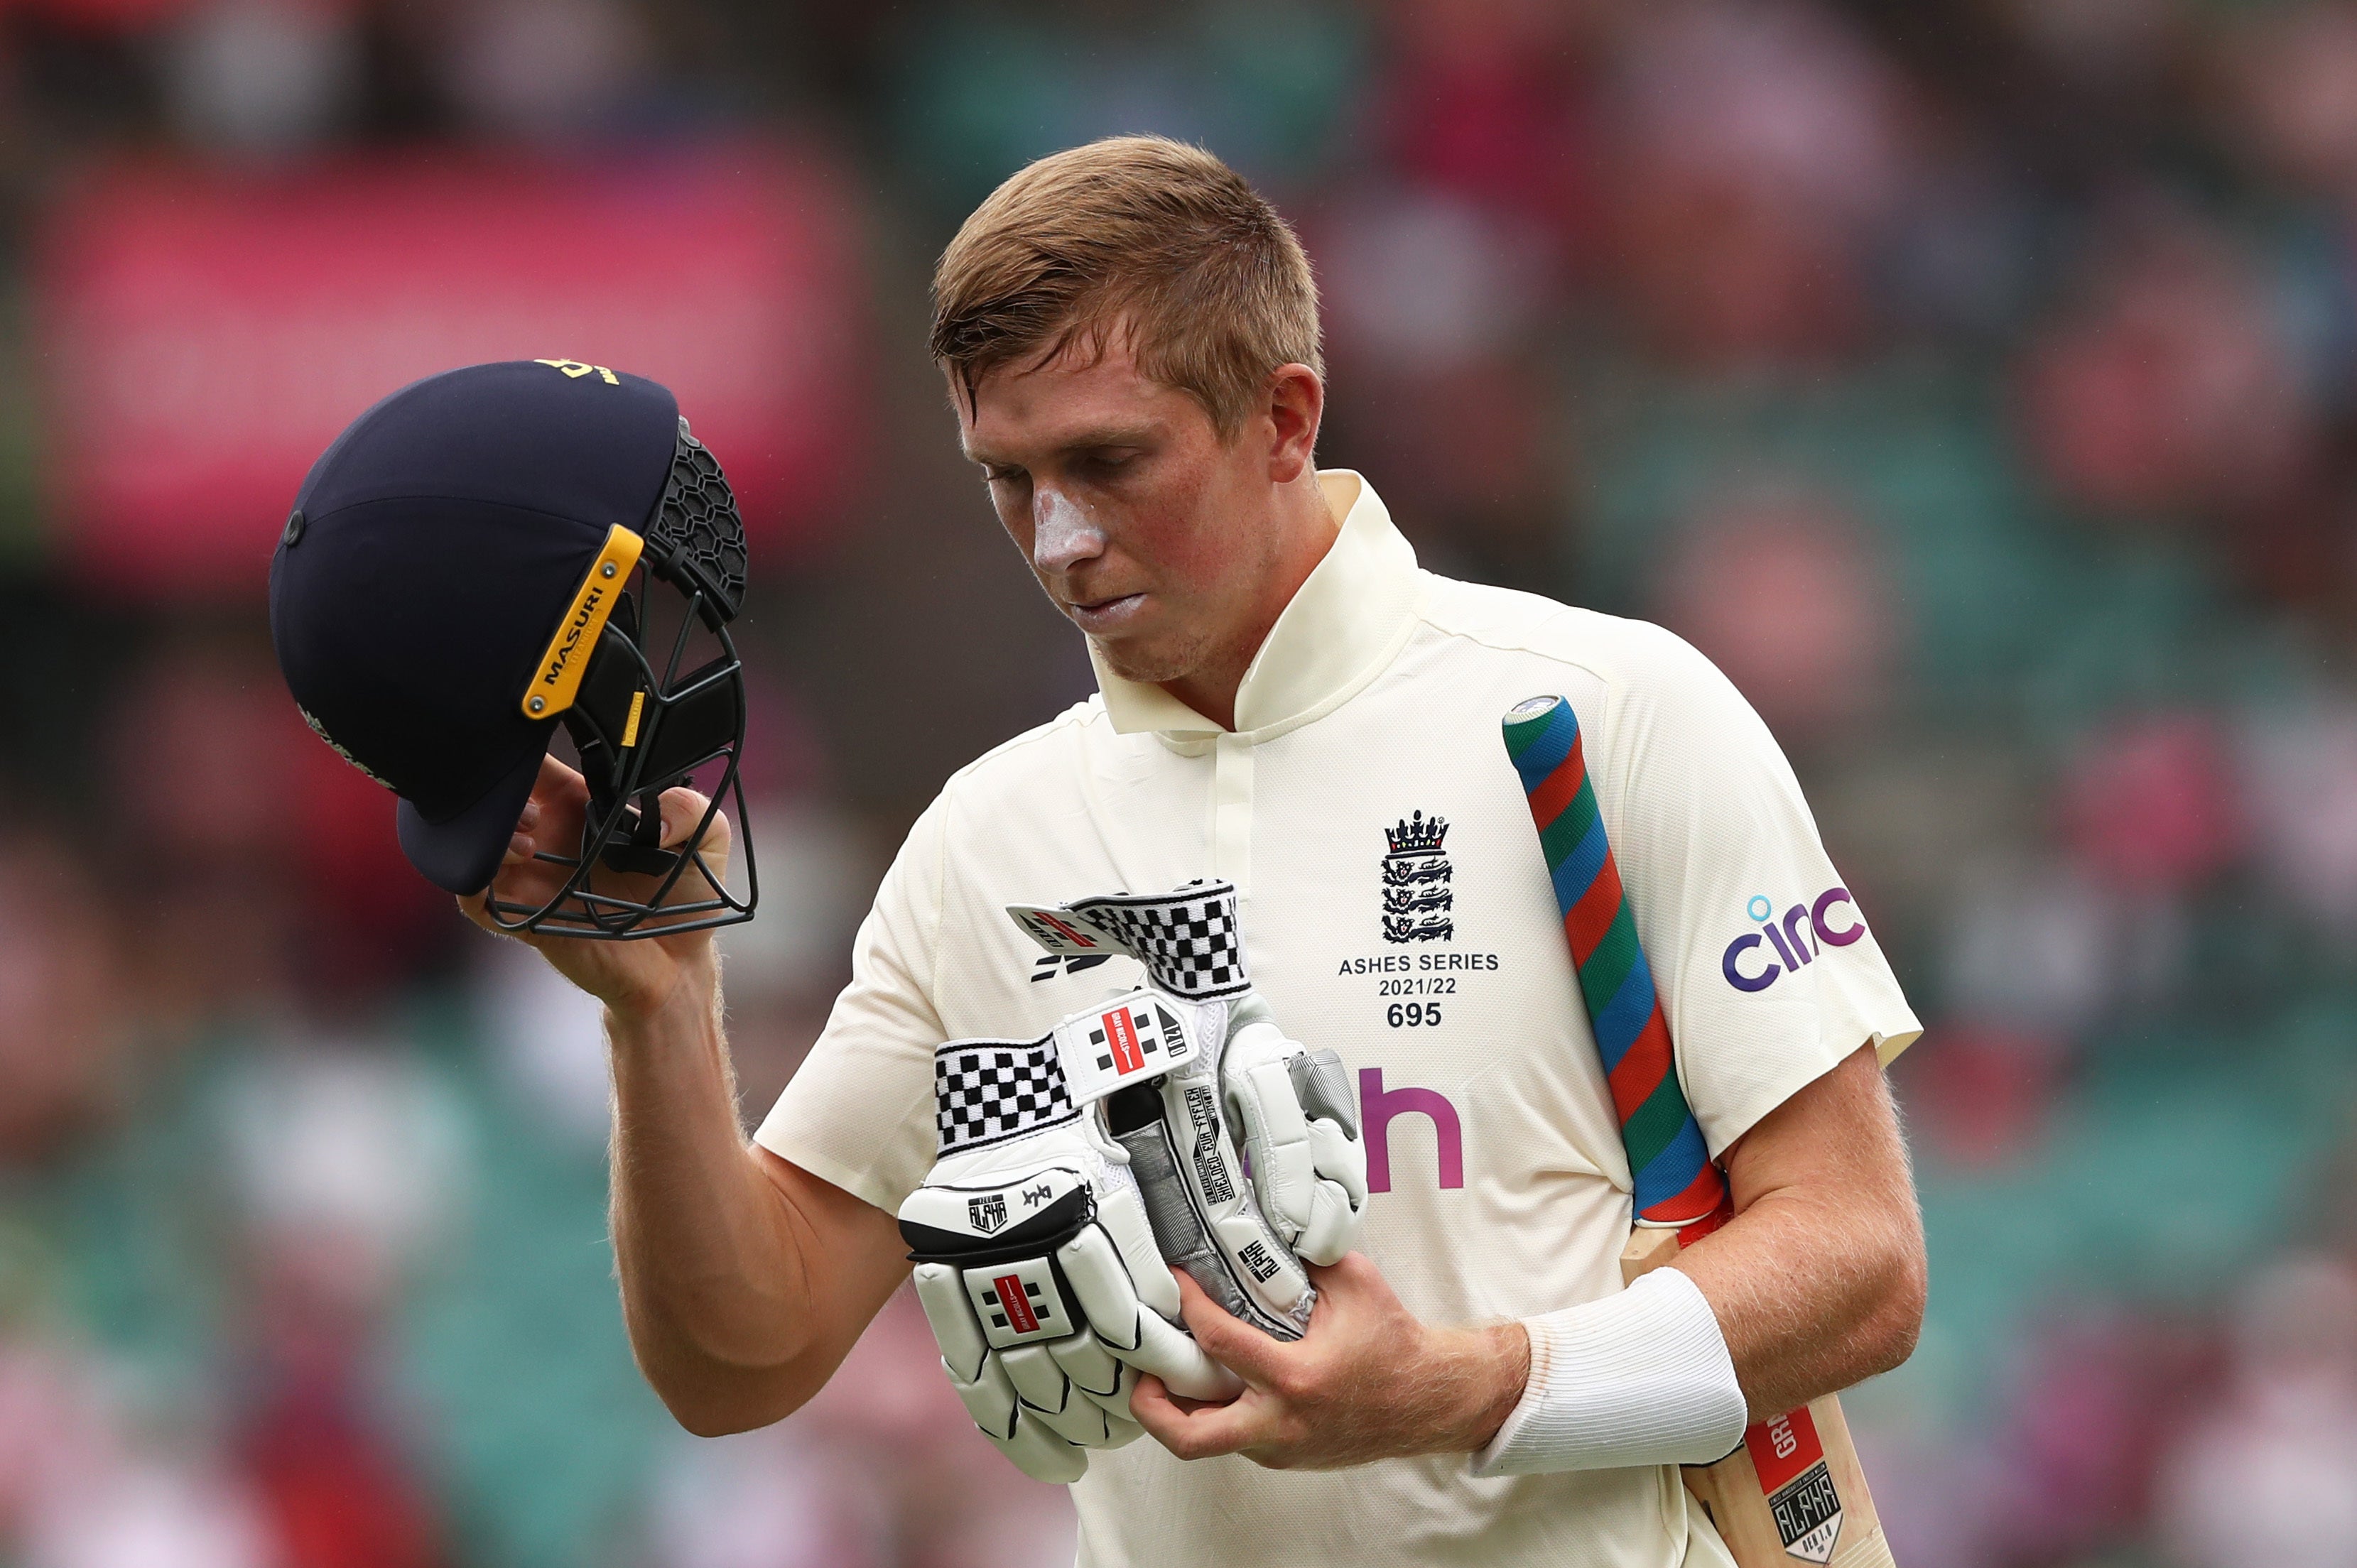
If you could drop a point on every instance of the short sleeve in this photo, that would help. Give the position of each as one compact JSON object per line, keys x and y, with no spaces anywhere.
{"x":859,"y":1111}
{"x":1768,"y":973}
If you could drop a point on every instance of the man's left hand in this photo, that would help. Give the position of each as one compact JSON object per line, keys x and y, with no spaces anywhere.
{"x":1367,"y":1381}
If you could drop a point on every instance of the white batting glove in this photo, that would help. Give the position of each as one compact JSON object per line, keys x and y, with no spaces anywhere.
{"x":1234,"y":1080}
{"x":1300,"y":1124}
{"x":1037,"y":1265}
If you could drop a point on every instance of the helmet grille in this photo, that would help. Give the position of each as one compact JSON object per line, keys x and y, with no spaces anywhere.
{"x":697,"y":534}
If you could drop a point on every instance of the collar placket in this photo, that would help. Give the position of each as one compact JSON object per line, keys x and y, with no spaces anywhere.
{"x":1232,"y":811}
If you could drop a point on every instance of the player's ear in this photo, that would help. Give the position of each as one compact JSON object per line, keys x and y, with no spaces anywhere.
{"x":1296,"y":402}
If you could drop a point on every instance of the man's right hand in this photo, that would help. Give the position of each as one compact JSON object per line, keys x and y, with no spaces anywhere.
{"x":635,"y":979}
{"x":744,"y":1278}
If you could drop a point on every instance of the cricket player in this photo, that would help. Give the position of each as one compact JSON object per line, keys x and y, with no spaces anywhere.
{"x":1130,"y":339}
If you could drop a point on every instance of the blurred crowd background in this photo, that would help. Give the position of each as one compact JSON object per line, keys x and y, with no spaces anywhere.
{"x":1975,"y":380}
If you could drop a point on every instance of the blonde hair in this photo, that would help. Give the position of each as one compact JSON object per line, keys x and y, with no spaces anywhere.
{"x":1135,"y":232}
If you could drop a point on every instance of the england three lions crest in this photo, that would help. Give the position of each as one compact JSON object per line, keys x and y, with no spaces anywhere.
{"x":1416,"y":895}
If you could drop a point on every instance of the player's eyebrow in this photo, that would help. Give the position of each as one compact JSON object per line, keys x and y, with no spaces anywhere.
{"x":1092,"y":440}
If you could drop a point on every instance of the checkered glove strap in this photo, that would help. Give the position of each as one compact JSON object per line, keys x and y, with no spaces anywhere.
{"x":1190,"y":940}
{"x":1036,"y":1263}
{"x":986,"y":1091}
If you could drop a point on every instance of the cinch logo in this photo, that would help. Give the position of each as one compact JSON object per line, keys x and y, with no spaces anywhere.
{"x":1794,"y":944}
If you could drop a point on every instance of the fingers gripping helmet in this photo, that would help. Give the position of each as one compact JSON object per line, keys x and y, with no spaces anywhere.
{"x":496,"y":554}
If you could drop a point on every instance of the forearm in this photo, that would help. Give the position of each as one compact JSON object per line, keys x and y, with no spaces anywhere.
{"x":1799,"y":1329}
{"x":1817,"y":1287}
{"x":1815,"y":1284}
{"x":708,"y":1249}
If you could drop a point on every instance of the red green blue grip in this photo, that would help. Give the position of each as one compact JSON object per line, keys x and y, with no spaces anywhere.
{"x":1676,"y":1184}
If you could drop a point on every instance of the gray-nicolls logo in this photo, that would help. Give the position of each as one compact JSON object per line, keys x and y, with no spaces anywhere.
{"x":1049,"y":966}
{"x":1416,"y":896}
{"x":986,"y":1214}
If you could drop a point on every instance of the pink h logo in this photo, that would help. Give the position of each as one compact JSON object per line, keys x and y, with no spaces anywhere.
{"x":1377,"y":1106}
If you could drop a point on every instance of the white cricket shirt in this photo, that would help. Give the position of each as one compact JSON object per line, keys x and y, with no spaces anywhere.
{"x":1397,"y":908}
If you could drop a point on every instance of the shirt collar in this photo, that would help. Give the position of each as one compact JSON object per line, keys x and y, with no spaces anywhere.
{"x":1343,"y":624}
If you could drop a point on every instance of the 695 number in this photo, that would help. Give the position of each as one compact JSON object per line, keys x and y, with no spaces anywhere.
{"x":1412,"y":1015}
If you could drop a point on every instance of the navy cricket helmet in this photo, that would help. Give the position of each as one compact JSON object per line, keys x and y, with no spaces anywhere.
{"x":494,"y":553}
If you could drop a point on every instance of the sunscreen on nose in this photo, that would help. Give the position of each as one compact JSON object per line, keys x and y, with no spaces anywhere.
{"x":1063,"y":534}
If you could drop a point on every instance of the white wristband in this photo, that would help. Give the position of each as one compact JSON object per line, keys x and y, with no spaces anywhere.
{"x":1641,"y":1378}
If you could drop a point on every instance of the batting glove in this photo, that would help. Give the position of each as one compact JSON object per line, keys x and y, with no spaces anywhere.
{"x":1300,"y":1123}
{"x":1037,"y":1265}
{"x":1193,"y":1067}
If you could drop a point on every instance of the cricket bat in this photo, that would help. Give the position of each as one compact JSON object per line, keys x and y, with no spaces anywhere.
{"x":1792,"y":1491}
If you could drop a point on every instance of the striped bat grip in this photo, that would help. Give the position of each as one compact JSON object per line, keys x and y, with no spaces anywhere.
{"x":1792,"y":1492}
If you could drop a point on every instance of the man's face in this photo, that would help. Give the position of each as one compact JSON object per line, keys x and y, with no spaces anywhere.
{"x":1147,"y":530}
